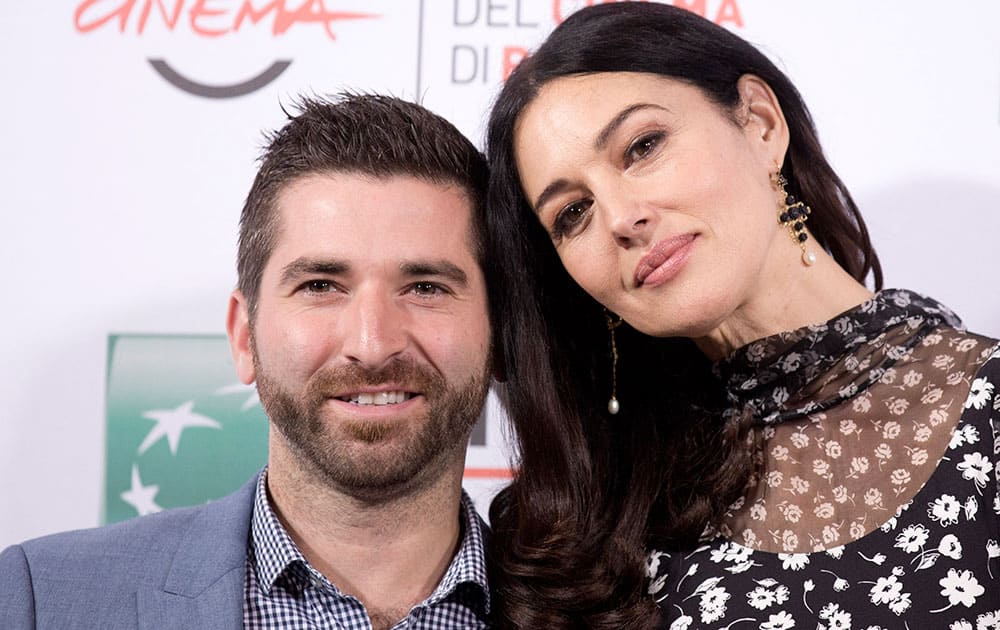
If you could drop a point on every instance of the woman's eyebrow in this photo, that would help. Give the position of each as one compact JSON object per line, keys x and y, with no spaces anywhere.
{"x":550,"y":191}
{"x":605,"y":134}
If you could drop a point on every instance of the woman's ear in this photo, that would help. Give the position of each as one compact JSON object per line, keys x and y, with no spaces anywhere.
{"x":763,"y":121}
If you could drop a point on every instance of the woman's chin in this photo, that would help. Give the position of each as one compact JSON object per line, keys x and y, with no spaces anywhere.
{"x":693,"y":321}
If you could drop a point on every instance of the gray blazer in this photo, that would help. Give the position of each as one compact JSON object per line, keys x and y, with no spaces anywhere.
{"x":180,"y":568}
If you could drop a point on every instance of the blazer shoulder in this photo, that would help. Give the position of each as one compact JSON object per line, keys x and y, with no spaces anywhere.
{"x":183,"y":550}
{"x":133,"y":539}
{"x":17,"y":606}
{"x":94,"y":572}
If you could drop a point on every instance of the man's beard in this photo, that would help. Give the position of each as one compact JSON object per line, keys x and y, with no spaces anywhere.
{"x":348,"y":454}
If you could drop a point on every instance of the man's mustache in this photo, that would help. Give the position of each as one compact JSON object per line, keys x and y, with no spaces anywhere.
{"x":404,"y":373}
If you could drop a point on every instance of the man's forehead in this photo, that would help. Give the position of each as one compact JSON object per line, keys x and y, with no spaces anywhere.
{"x":392,"y":220}
{"x":364,"y":196}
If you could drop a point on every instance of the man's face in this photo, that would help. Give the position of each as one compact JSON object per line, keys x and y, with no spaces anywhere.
{"x":371,"y":340}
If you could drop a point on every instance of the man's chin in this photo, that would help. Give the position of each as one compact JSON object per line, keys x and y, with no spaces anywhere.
{"x":376,"y":449}
{"x":372,"y":432}
{"x":381,"y":471}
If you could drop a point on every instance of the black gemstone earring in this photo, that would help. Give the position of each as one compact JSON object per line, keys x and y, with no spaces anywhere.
{"x":793,"y":216}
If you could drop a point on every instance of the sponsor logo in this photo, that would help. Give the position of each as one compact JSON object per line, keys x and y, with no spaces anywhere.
{"x":223,"y":18}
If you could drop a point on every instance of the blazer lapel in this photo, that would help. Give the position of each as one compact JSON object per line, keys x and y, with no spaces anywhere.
{"x":204,"y":587}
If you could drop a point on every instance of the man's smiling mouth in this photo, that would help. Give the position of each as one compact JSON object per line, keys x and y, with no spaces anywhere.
{"x":377,"y":398}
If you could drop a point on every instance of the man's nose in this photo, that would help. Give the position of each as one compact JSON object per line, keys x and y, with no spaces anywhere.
{"x":374,"y":327}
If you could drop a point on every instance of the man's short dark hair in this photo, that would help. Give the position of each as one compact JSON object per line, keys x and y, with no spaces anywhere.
{"x":367,"y":134}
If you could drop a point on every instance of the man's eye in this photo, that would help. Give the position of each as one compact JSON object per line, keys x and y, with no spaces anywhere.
{"x":319,"y":286}
{"x":427,"y":289}
{"x":642,"y":147}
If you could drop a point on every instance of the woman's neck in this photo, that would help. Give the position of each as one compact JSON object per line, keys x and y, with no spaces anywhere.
{"x":802,"y":296}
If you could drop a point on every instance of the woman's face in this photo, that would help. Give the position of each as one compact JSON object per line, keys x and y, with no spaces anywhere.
{"x":659,"y":202}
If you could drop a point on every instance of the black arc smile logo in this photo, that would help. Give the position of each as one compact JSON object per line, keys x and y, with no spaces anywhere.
{"x":225,"y":19}
{"x":233,"y":90}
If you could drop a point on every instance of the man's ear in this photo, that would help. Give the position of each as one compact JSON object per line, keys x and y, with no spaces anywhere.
{"x":764,"y":121}
{"x":238,"y":329}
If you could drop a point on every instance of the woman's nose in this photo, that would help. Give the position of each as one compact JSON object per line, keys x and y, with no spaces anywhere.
{"x":630,"y":222}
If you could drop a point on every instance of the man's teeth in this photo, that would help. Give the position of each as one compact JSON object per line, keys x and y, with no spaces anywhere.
{"x":379,"y":398}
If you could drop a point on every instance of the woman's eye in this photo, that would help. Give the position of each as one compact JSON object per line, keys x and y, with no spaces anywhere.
{"x":642,"y":147}
{"x":570,"y":218}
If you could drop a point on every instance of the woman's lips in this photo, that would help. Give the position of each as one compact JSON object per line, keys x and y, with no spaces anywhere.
{"x":664,"y":260}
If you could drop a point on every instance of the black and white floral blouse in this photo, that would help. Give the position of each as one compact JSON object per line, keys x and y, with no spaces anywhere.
{"x":878,"y":504}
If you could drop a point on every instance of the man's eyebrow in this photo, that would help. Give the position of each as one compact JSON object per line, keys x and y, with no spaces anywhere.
{"x":309,"y":266}
{"x":440,"y":268}
{"x":600,"y":142}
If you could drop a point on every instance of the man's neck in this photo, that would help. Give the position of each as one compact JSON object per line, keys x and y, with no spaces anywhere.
{"x":390,"y":555}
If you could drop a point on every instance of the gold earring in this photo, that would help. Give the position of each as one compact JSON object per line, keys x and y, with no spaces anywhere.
{"x":793,"y":215}
{"x":613,"y":406}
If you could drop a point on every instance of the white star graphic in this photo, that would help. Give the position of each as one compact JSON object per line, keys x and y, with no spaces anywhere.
{"x":239,"y":388}
{"x":170,"y":423}
{"x":141,"y":497}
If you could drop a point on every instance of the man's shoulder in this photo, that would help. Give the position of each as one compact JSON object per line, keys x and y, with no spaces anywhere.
{"x":138,"y":537}
{"x":145,"y":535}
{"x":183,"y":550}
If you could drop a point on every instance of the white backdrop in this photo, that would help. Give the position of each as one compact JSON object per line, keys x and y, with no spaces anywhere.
{"x":121,"y":192}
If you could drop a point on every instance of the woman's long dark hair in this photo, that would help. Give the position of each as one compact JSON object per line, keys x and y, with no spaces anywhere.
{"x":593,"y":492}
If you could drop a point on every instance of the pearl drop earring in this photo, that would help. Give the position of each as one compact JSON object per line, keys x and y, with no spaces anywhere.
{"x":613,"y":406}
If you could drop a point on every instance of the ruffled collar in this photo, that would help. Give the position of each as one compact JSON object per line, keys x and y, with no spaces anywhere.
{"x":796,"y":373}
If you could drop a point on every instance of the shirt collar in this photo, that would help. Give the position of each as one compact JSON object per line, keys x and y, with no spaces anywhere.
{"x":775,"y":379}
{"x":469,"y":564}
{"x":276,"y":555}
{"x":273,"y":551}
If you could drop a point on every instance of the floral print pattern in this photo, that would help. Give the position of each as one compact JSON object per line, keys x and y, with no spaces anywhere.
{"x":878,"y":506}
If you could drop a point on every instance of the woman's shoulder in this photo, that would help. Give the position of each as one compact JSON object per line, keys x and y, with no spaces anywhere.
{"x":980,"y":356}
{"x":990,"y":355}
{"x":958,"y":351}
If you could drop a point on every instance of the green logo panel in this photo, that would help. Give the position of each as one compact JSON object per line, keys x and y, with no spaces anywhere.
{"x":181,"y":428}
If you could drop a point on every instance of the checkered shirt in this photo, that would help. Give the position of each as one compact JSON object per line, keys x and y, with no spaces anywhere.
{"x":282,"y":591}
